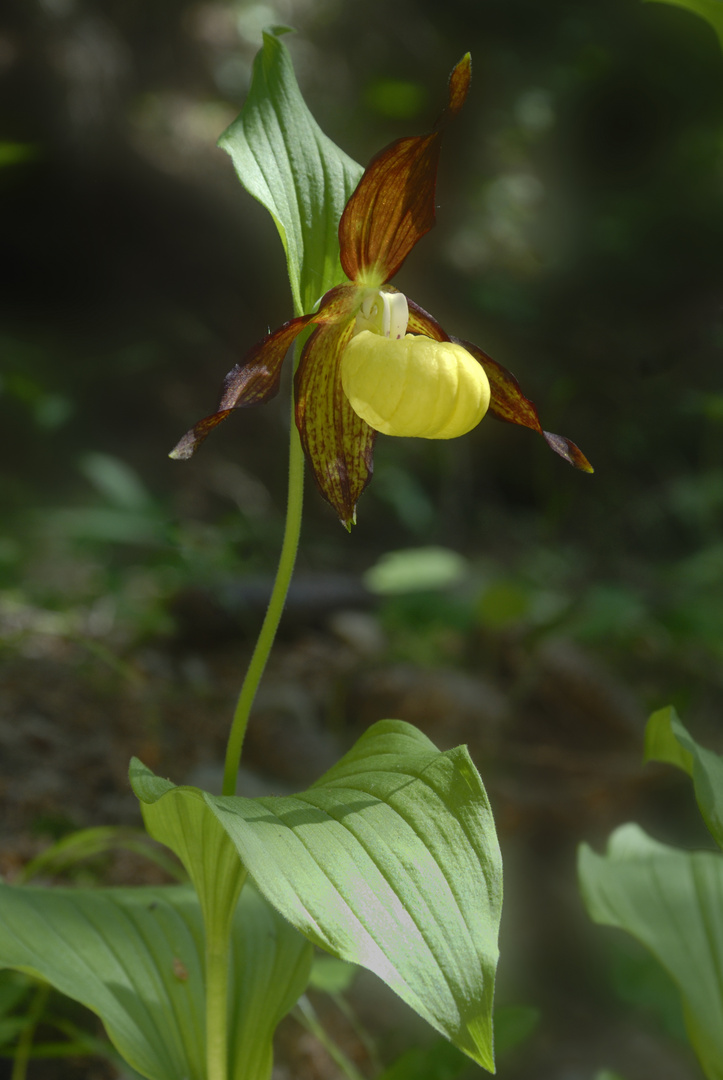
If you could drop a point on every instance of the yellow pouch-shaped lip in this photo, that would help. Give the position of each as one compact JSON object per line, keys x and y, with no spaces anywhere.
{"x":414,"y":386}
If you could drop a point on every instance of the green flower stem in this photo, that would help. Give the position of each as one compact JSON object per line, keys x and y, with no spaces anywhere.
{"x":273,"y":612}
{"x":218,"y":903}
{"x":217,"y":963}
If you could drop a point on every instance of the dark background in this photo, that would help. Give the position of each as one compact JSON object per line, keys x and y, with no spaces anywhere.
{"x":578,"y":240}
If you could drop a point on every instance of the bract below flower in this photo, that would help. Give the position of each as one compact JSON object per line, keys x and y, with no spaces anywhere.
{"x":403,"y":375}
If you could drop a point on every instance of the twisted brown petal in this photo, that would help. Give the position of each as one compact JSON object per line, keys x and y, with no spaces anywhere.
{"x":256,"y":379}
{"x":508,"y":403}
{"x":459,"y":82}
{"x":393,"y":205}
{"x":338,"y":444}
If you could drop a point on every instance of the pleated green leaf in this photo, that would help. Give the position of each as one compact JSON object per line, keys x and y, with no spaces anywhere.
{"x":135,"y":958}
{"x":390,"y":861}
{"x":283,"y":158}
{"x":672,"y":902}
{"x":667,"y":740}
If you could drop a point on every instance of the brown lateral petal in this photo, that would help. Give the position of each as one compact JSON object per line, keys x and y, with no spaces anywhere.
{"x":338,"y":444}
{"x":508,"y":403}
{"x":256,"y":379}
{"x":567,"y":449}
{"x":393,"y":204}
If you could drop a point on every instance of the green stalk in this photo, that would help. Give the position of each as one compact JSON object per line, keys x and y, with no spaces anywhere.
{"x":218,"y":902}
{"x":217,"y":963}
{"x":272,"y":618}
{"x":218,"y":938}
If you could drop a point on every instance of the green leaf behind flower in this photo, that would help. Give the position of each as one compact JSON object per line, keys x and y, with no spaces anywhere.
{"x":389,"y":861}
{"x":304,"y":180}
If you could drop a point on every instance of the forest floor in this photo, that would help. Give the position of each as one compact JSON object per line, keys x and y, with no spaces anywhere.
{"x":556,"y":736}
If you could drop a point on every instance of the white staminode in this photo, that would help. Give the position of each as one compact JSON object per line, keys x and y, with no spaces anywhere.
{"x":385,"y":313}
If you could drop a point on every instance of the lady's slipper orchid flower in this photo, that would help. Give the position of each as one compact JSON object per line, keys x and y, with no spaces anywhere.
{"x":375,"y":361}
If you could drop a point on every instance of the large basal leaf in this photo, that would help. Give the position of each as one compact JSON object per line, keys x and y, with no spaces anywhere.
{"x":304,"y":180}
{"x":184,"y":821}
{"x":710,"y":10}
{"x":672,"y":902}
{"x":135,"y":958}
{"x":390,"y":861}
{"x":667,"y":740}
{"x":270,"y":968}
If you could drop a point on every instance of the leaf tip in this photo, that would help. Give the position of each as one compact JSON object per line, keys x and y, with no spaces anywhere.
{"x":481,"y":1032}
{"x":137,"y":770}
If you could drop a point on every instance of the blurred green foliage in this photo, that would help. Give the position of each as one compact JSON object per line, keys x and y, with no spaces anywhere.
{"x":641,"y":983}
